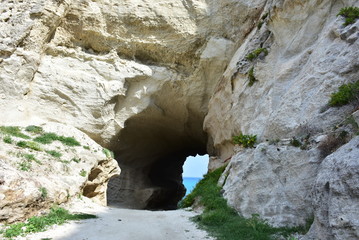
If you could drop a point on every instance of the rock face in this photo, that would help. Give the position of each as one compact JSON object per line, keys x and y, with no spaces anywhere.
{"x":336,"y":195}
{"x":157,"y":81}
{"x":32,"y":178}
{"x":274,"y":181}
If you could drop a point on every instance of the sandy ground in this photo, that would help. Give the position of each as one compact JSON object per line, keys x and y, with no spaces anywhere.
{"x":124,"y":224}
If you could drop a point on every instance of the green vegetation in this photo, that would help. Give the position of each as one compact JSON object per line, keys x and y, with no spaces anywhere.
{"x":31,"y":157}
{"x":7,"y":139}
{"x":295,"y":142}
{"x":43,"y":192}
{"x":54,"y":153}
{"x":83,"y":173}
{"x":108,"y":153}
{"x":13,"y":131}
{"x":34,"y":129}
{"x":253,"y":55}
{"x":29,"y":144}
{"x":223,"y":222}
{"x":351,"y":14}
{"x":48,"y":138}
{"x":25,"y":166}
{"x":251,"y":77}
{"x":86,"y":147}
{"x":76,"y":160}
{"x":39,"y":224}
{"x":246,"y":141}
{"x":347,"y":93}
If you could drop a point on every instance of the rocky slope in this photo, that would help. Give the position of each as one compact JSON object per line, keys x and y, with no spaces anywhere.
{"x":156,"y":81}
{"x":37,"y":172}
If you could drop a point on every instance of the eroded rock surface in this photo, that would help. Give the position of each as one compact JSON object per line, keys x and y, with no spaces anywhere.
{"x":156,"y":81}
{"x":32,"y":180}
{"x":336,"y":195}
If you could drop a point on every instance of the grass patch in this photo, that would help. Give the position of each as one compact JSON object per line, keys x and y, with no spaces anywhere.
{"x":54,"y":153}
{"x":108,"y":153}
{"x":76,"y":160}
{"x":43,"y":192}
{"x":346,"y":94}
{"x":31,"y":157}
{"x":295,"y":142}
{"x":25,"y":166}
{"x":251,"y":78}
{"x":83,"y":173}
{"x":34,"y":129}
{"x":48,"y":138}
{"x":222,"y":221}
{"x":253,"y":55}
{"x":351,"y":14}
{"x":246,"y":141}
{"x":38,"y":224}
{"x":29,"y":144}
{"x":13,"y":131}
{"x":86,"y":147}
{"x":8,"y":139}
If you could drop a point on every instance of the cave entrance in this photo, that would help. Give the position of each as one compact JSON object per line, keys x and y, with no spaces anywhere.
{"x":151,"y":150}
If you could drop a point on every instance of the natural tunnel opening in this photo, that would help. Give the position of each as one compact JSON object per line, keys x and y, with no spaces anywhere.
{"x":151,"y":150}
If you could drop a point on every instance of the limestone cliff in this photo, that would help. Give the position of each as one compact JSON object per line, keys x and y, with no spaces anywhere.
{"x":156,"y":81}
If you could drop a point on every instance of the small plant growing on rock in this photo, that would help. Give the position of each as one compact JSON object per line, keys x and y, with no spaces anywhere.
{"x":34,"y":129}
{"x":31,"y":157}
{"x":25,"y":166}
{"x":76,"y":160}
{"x":295,"y":142}
{"x":246,"y":141}
{"x":30,"y":145}
{"x":48,"y":138}
{"x":251,"y":77}
{"x":43,"y":192}
{"x":7,"y":139}
{"x":351,"y":14}
{"x":13,"y":131}
{"x":86,"y":147}
{"x":83,"y":173}
{"x":347,"y":93}
{"x":54,"y":153}
{"x":253,"y":55}
{"x":108,"y":153}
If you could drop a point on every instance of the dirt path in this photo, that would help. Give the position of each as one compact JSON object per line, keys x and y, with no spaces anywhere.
{"x":125,"y":224}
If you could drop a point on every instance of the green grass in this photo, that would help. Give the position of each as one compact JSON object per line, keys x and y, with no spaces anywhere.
{"x":76,"y":160}
{"x":31,"y":157}
{"x":25,"y":166}
{"x":108,"y":153}
{"x":38,"y":224}
{"x":34,"y":129}
{"x":345,"y":94}
{"x":253,"y":55}
{"x":43,"y":192}
{"x":8,"y":139}
{"x":351,"y":14}
{"x":13,"y":131}
{"x":29,"y":144}
{"x":86,"y":147}
{"x":251,"y":77}
{"x":83,"y":173}
{"x":54,"y":153}
{"x":48,"y":138}
{"x":222,"y":221}
{"x":246,"y":141}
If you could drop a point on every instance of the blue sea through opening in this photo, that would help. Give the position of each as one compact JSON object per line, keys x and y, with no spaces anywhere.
{"x":193,"y":170}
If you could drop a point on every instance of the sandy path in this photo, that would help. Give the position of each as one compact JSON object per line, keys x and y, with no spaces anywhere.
{"x":126,"y":224}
